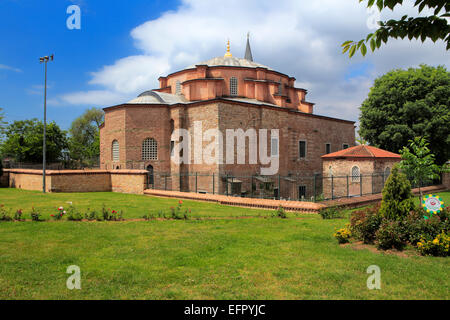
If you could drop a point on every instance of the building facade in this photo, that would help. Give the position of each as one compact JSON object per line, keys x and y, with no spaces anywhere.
{"x":224,"y":93}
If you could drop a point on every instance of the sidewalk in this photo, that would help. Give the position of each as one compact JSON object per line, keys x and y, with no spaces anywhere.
{"x":297,"y":206}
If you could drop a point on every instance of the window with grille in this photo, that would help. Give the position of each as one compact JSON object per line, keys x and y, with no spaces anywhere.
{"x":301,"y":192}
{"x":150,"y":149}
{"x":345,"y":146}
{"x":178,"y":87}
{"x":115,"y":151}
{"x":233,"y":86}
{"x":327,"y":148}
{"x":355,"y":174}
{"x":302,"y":149}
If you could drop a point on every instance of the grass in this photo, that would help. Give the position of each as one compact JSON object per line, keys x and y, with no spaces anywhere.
{"x":134,"y":206}
{"x":208,"y":259}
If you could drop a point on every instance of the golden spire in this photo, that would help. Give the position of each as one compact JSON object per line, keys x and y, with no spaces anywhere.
{"x":228,"y":54}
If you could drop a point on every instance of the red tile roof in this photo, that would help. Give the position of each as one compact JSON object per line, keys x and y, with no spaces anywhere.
{"x":362,"y":151}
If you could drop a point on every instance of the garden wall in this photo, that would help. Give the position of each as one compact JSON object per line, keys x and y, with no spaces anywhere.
{"x":446,"y":179}
{"x":124,"y":181}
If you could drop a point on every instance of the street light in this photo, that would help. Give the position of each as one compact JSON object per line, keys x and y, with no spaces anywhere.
{"x":44,"y":60}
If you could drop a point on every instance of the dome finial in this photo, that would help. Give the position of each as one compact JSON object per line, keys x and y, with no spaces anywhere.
{"x":228,"y":54}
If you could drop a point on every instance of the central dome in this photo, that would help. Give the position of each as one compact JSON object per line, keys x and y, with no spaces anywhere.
{"x":230,"y":62}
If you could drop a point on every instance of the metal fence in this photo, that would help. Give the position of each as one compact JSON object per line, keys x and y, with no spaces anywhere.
{"x":292,"y":187}
{"x":63,"y":165}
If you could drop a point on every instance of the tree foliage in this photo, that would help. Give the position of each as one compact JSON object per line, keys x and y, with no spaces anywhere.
{"x":24,"y":141}
{"x":84,"y":141}
{"x":404,"y":104}
{"x":418,"y":163}
{"x":434,"y":27}
{"x":397,"y":199}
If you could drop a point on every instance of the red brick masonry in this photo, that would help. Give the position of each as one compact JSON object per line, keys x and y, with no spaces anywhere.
{"x":124,"y":181}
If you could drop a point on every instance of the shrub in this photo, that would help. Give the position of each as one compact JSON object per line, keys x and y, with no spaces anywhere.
{"x":331,"y":213}
{"x":343,"y":235}
{"x":5,"y":215}
{"x":417,"y":228}
{"x":91,"y":214}
{"x":18,"y":215}
{"x":36,"y":215}
{"x":280,"y":213}
{"x":73,"y":214}
{"x":179,"y":213}
{"x":439,"y":246}
{"x":365,"y":223}
{"x":59,"y":215}
{"x":390,"y":235}
{"x":397,"y":200}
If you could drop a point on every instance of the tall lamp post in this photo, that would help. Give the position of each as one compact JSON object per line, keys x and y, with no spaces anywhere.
{"x":44,"y":60}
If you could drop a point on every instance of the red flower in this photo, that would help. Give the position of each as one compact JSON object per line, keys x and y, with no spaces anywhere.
{"x":51,"y":215}
{"x":180,"y":202}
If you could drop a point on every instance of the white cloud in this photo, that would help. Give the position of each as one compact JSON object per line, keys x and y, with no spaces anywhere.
{"x":299,"y":38}
{"x":5,"y":67}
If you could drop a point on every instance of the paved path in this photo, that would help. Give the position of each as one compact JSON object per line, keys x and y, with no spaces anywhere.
{"x":297,"y":206}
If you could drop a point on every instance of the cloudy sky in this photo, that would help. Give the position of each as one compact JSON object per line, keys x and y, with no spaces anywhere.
{"x":124,"y":46}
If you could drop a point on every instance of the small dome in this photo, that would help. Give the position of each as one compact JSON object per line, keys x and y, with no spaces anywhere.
{"x":154,"y":97}
{"x":231,"y":62}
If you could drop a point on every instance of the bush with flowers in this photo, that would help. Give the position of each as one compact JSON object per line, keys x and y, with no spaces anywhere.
{"x":439,"y":246}
{"x":73,"y":214}
{"x":343,"y":235}
{"x":180,"y":213}
{"x":59,"y":214}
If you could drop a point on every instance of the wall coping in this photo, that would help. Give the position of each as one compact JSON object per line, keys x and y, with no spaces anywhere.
{"x":74,"y":172}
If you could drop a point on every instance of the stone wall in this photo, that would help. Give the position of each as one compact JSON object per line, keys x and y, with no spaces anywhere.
{"x":124,"y":181}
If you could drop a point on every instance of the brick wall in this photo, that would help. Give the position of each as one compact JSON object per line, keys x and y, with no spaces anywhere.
{"x":124,"y":181}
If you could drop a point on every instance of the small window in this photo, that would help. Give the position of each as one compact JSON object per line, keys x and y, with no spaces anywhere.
{"x":233,"y":86}
{"x":355,"y":174}
{"x":280,"y":88}
{"x":115,"y":151}
{"x":327,"y":148}
{"x":345,"y":146}
{"x":330,"y":171}
{"x":178,"y":87}
{"x":387,"y":172}
{"x":301,"y":192}
{"x":302,"y":149}
{"x":274,"y":147}
{"x":150,"y":149}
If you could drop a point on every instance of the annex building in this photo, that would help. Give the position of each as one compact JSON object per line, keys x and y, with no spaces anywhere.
{"x":223,"y":93}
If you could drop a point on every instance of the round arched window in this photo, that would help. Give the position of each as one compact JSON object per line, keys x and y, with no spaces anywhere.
{"x":115,"y":151}
{"x":355,"y":174}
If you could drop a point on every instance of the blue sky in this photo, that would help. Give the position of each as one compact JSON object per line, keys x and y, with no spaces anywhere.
{"x":124,"y":46}
{"x":30,"y":29}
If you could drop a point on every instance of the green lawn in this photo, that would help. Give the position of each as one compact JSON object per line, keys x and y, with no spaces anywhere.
{"x":209,"y":259}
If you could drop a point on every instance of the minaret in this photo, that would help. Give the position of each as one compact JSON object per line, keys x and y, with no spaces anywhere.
{"x":228,"y":54}
{"x":248,"y":51}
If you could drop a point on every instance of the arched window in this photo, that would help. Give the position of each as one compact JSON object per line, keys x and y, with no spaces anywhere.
{"x":233,"y":86}
{"x":387,"y":172}
{"x":178,"y":87}
{"x":355,"y":174}
{"x":150,"y":149}
{"x":115,"y":151}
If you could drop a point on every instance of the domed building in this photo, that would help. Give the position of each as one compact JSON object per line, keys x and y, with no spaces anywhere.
{"x":224,"y":93}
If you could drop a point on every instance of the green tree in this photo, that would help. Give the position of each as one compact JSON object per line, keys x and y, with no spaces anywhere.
{"x":24,"y":141}
{"x":418,"y":163}
{"x":434,"y":27}
{"x":2,"y":124}
{"x":404,"y":104}
{"x":84,"y":141}
{"x":398,"y":199}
